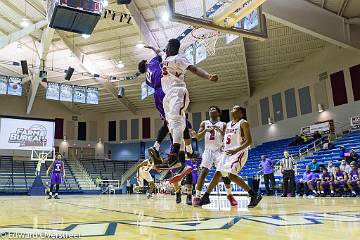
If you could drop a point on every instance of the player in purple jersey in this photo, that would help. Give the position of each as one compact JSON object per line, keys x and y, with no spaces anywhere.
{"x":57,"y":173}
{"x":339,"y":182}
{"x":312,"y":182}
{"x":324,"y":183}
{"x":354,"y":179}
{"x":192,"y":178}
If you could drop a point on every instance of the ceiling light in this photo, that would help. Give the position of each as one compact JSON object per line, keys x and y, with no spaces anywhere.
{"x":105,"y":3}
{"x":120,"y":64}
{"x":85,"y":36}
{"x":165,"y":17}
{"x":24,"y":23}
{"x":19,"y":48}
{"x":140,"y":44}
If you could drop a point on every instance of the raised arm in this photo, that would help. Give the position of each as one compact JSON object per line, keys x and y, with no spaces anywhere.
{"x":200,"y":134}
{"x":155,"y":50}
{"x":202,"y":73}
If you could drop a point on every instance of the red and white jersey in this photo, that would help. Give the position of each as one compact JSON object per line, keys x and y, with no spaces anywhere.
{"x":214,"y":139}
{"x":232,"y":138}
{"x":147,"y":167}
{"x":173,"y":72}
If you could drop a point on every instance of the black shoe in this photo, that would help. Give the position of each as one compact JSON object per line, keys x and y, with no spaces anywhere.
{"x":284,"y":195}
{"x":292,"y":195}
{"x":56,"y":197}
{"x":205,"y":199}
{"x":178,"y":197}
{"x":50,"y":197}
{"x":322,"y":195}
{"x":316,"y":194}
{"x":189,"y":200}
{"x":254,"y":201}
{"x":172,"y":162}
{"x":353,"y":194}
{"x":332,"y":194}
{"x":154,"y":156}
{"x":194,"y":155}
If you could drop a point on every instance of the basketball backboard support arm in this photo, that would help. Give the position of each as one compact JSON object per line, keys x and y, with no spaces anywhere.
{"x":209,"y":24}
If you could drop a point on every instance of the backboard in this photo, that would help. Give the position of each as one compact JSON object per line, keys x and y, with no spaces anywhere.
{"x":43,"y":154}
{"x":237,"y":17}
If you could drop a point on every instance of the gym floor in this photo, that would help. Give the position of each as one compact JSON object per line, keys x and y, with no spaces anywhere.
{"x":136,"y":217}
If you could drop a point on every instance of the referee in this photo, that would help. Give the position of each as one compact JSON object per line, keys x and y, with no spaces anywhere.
{"x":287,"y":169}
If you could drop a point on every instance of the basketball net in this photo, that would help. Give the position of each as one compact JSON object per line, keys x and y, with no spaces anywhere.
{"x":206,"y":37}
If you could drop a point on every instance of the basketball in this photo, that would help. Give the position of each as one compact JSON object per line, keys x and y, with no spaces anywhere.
{"x":240,"y":120}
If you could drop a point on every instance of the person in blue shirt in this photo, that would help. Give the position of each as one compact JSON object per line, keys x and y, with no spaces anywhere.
{"x":267,"y":166}
{"x":314,"y":166}
{"x":302,"y":184}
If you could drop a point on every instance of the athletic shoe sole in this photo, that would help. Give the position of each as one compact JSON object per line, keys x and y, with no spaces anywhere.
{"x":177,"y":178}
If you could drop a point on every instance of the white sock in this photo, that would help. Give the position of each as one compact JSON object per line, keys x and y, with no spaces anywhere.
{"x":198,"y":193}
{"x":332,"y":191}
{"x":322,"y":191}
{"x":189,"y":149}
{"x":228,"y":191}
{"x":56,"y":194}
{"x":50,"y":193}
{"x":157,"y":146}
{"x":353,"y":192}
{"x":314,"y":191}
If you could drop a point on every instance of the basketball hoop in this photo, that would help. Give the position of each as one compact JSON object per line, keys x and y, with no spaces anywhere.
{"x":206,"y":37}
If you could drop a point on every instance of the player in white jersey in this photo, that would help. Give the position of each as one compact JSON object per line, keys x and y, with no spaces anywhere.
{"x":144,"y":174}
{"x":237,"y":141}
{"x":213,"y":131}
{"x":176,"y":99}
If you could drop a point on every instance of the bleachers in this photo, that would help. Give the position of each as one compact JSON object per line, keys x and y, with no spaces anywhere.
{"x":18,"y":176}
{"x":349,"y":141}
{"x":273,"y":149}
{"x":109,"y":169}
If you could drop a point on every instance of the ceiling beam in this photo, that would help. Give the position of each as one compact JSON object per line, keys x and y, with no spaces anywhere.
{"x":15,"y":36}
{"x":141,"y":25}
{"x":343,"y":6}
{"x":91,"y":68}
{"x":43,"y":51}
{"x":318,"y":22}
{"x":244,"y":66}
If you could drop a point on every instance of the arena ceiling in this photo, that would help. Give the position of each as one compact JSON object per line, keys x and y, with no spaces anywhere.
{"x":242,"y":65}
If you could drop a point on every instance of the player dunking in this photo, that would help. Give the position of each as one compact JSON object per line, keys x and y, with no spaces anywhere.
{"x":57,"y":173}
{"x":213,"y":131}
{"x":237,"y":140}
{"x":144,"y":174}
{"x":153,"y":71}
{"x":176,"y":98}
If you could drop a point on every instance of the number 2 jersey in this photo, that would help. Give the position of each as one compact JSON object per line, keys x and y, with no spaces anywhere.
{"x":214,"y":139}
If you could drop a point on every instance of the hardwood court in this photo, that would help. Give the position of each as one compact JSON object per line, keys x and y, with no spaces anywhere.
{"x":135,"y":217}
